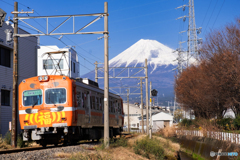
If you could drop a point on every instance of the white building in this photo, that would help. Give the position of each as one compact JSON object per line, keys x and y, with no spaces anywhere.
{"x":27,"y":67}
{"x":160,"y":119}
{"x":66,"y":58}
{"x":134,"y":113}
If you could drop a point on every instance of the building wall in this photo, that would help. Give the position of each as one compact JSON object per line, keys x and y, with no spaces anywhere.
{"x":134,"y":112}
{"x":27,"y":59}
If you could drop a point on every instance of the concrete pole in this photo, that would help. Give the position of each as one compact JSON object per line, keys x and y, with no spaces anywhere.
{"x":150,"y":111}
{"x":15,"y":79}
{"x":142,"y":105}
{"x":128,"y":110}
{"x":106,"y":78}
{"x":146,"y":82}
{"x":96,"y":71}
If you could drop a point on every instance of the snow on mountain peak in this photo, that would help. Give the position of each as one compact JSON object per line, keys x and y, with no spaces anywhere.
{"x":156,"y":53}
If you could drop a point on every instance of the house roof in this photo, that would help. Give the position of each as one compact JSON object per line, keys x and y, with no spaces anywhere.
{"x":153,"y":113}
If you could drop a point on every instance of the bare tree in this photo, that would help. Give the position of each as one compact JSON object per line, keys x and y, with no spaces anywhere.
{"x":214,"y":85}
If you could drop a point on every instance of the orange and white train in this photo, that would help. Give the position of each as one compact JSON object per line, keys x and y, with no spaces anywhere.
{"x":57,"y":108}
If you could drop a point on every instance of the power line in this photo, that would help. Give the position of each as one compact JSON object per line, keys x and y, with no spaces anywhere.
{"x":207,"y":11}
{"x":218,"y":14}
{"x":60,"y":32}
{"x":211,"y":16}
{"x":7,"y":3}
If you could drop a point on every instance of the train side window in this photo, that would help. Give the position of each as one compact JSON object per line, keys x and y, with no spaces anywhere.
{"x":93,"y":102}
{"x":111,"y":106}
{"x":83,"y":98}
{"x":97,"y":103}
{"x":114,"y":107}
{"x":100,"y":105}
{"x":119,"y":108}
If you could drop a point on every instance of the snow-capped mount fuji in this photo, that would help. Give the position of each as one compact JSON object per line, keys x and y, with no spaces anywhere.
{"x":156,"y":53}
{"x":161,"y":62}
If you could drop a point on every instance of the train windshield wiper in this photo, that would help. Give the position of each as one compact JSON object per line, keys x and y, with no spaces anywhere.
{"x":35,"y":102}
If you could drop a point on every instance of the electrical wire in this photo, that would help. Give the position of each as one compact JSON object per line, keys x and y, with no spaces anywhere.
{"x":211,"y":16}
{"x":207,"y":12}
{"x":218,"y":14}
{"x":7,"y":3}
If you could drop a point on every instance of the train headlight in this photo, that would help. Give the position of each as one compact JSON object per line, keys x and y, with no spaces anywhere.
{"x":40,"y":78}
{"x":45,"y":78}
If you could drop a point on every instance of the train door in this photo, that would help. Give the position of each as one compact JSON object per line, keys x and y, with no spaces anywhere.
{"x":74,"y":97}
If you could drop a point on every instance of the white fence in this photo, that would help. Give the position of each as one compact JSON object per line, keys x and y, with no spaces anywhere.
{"x":223,"y":136}
{"x":138,"y":130}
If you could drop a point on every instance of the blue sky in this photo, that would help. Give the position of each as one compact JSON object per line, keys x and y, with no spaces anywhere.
{"x":129,"y":21}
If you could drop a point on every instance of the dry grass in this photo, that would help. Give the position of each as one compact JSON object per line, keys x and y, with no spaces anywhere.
{"x":122,"y":153}
{"x":168,"y":131}
{"x":4,"y":145}
{"x":62,"y":155}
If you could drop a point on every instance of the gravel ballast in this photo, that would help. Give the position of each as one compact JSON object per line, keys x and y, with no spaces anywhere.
{"x":45,"y":154}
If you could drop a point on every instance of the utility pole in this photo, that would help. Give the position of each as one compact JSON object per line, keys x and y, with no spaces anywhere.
{"x":146,"y":82}
{"x":150,"y":110}
{"x":96,"y":71}
{"x":106,"y":78}
{"x":128,"y":110}
{"x":15,"y":79}
{"x":142,"y":105}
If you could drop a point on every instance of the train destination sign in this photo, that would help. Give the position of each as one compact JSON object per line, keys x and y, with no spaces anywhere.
{"x":32,"y":93}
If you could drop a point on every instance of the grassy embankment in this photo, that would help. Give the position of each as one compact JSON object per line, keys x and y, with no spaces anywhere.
{"x":138,"y":147}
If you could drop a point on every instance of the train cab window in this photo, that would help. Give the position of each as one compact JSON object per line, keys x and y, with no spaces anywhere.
{"x":97,"y":103}
{"x":32,"y":97}
{"x":55,"y":96}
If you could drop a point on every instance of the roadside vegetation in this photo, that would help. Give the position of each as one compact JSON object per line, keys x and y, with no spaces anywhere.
{"x":138,"y":147}
{"x":5,"y":142}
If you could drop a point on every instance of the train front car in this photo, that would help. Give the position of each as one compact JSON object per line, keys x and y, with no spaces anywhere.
{"x":45,"y":108}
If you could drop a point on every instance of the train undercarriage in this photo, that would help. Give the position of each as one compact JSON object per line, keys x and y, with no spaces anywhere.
{"x":67,"y":135}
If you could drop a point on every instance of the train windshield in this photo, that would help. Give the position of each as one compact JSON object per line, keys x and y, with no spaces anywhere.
{"x":32,"y":97}
{"x":55,"y":96}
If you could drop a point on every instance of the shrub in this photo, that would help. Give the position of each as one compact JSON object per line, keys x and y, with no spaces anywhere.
{"x":20,"y":142}
{"x":7,"y":138}
{"x":120,"y":142}
{"x":236,"y":122}
{"x":186,"y":122}
{"x":226,"y":123}
{"x":148,"y":147}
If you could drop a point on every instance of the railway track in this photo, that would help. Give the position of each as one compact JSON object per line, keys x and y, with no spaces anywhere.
{"x":9,"y":151}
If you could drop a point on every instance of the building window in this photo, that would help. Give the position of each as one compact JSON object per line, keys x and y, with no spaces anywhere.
{"x":5,"y":57}
{"x":5,"y":98}
{"x":52,"y":64}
